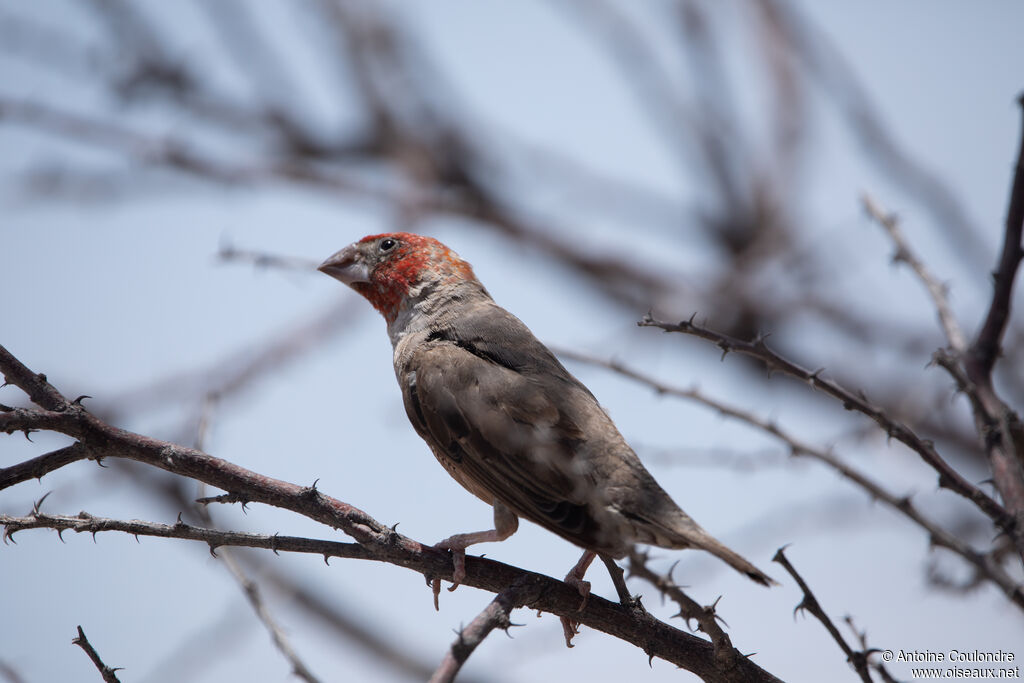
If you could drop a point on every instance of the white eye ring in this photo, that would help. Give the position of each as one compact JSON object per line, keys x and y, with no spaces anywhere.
{"x":387,"y":244}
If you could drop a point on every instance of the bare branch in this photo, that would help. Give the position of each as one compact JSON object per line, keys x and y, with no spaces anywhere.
{"x":986,"y":346}
{"x":496,"y":615}
{"x":986,"y":565}
{"x":862,"y":638}
{"x":109,"y":674}
{"x":948,"y":477}
{"x":823,"y":61}
{"x":281,"y":641}
{"x":705,"y":616}
{"x":857,"y":659}
{"x":938,"y":291}
{"x":83,"y":522}
{"x":40,"y":465}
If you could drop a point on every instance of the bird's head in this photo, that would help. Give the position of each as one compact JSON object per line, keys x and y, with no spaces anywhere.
{"x":391,"y":268}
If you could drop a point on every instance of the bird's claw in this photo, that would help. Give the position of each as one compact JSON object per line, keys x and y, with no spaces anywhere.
{"x":458,"y":571}
{"x":570,"y":628}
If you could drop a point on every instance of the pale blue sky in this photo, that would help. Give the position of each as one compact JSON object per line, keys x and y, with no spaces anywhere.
{"x":107,"y":297}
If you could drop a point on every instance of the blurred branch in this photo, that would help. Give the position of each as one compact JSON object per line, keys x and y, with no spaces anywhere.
{"x":1000,"y":427}
{"x":948,"y":477}
{"x":904,"y":254}
{"x":862,"y":638}
{"x":248,"y":586}
{"x":10,"y":674}
{"x":231,"y":254}
{"x":823,"y":61}
{"x":858,"y":659}
{"x":239,"y":369}
{"x":109,"y":674}
{"x":381,"y":542}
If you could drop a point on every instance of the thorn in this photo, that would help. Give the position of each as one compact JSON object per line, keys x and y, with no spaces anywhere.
{"x":38,"y":504}
{"x":805,"y":604}
{"x":779,"y":556}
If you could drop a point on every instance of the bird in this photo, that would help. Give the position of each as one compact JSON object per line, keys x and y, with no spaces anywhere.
{"x":506,"y":419}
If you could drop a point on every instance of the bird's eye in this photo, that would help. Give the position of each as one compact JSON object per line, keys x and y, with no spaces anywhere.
{"x":387,"y":244}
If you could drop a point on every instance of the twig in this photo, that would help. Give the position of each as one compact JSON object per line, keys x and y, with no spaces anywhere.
{"x":108,"y":673}
{"x":985,"y":564}
{"x":705,"y":616}
{"x":248,"y":586}
{"x":862,"y":638}
{"x":281,"y":641}
{"x":496,"y":615}
{"x":949,"y":478}
{"x":229,"y":253}
{"x":938,"y":291}
{"x":83,"y":522}
{"x":824,"y":62}
{"x":10,"y":674}
{"x":857,"y":658}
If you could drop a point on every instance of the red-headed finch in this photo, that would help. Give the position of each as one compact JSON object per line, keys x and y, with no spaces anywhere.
{"x":504,"y":417}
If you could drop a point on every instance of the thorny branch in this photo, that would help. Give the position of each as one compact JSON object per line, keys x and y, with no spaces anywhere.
{"x":496,"y":615}
{"x":384,"y":544}
{"x":108,"y":673}
{"x":858,"y":659}
{"x":948,"y":477}
{"x":986,"y":565}
{"x":689,"y":609}
{"x":999,"y":427}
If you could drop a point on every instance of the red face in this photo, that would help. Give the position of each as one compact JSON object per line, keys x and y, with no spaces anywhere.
{"x":385,"y":268}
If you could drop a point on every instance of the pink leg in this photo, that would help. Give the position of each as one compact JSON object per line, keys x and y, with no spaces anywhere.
{"x":505,"y":524}
{"x":575,"y":579}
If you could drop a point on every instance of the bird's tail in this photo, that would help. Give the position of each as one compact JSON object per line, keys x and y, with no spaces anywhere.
{"x":733,"y":559}
{"x":686,"y":533}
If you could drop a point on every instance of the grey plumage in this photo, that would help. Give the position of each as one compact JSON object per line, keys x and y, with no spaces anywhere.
{"x":503,"y":415}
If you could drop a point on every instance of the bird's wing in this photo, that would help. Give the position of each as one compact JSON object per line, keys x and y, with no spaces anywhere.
{"x":498,"y":416}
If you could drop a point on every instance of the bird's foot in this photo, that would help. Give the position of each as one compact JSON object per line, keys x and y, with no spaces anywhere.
{"x":459,"y":565}
{"x":574,"y":578}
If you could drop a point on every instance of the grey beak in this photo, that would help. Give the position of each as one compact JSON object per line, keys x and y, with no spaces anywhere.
{"x":346,"y":266}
